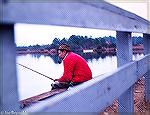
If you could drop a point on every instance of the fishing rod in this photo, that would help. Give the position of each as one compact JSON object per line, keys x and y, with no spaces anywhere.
{"x":36,"y":72}
{"x":47,"y":76}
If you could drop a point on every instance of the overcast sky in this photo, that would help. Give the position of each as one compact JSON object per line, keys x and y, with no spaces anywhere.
{"x":28,"y":34}
{"x":139,"y":7}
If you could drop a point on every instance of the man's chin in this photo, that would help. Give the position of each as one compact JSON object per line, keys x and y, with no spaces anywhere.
{"x":59,"y":60}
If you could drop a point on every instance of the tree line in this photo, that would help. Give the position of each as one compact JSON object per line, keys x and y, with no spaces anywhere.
{"x":79,"y":43}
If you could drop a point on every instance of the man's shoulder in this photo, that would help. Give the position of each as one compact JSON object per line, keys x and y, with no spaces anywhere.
{"x":74,"y":56}
{"x":71,"y":54}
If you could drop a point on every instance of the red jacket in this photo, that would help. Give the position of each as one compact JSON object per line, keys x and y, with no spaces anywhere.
{"x":76,"y":69}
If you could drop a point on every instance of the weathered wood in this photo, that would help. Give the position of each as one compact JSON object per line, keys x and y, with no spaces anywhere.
{"x":94,"y":95}
{"x":124,"y":48}
{"x":27,"y":102}
{"x":8,"y":79}
{"x":76,"y":13}
{"x":146,"y":38}
{"x":124,"y":56}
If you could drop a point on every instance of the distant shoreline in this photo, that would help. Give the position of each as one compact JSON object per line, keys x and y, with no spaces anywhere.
{"x":136,"y":49}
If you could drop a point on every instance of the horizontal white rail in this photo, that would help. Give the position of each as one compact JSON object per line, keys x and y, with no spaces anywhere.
{"x":92,"y":15}
{"x":95,"y":95}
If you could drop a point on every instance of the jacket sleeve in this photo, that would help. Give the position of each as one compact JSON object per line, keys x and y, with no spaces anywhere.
{"x":69,"y":65}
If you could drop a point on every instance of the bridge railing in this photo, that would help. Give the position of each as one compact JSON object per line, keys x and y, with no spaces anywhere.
{"x":97,"y":94}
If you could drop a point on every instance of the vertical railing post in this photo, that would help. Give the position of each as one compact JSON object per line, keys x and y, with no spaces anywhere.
{"x":124,"y":55}
{"x":146,"y":38}
{"x":8,"y":79}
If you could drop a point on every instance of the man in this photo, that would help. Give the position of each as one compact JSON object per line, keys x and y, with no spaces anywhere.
{"x":76,"y":69}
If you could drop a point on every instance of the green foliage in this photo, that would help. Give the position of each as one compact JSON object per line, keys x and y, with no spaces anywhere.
{"x":137,"y":40}
{"x":78,"y":43}
{"x":56,"y":41}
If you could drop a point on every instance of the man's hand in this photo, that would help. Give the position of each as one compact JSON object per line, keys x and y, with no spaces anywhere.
{"x":55,"y":80}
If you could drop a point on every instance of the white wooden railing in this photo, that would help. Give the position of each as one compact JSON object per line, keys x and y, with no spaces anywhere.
{"x":96,"y":94}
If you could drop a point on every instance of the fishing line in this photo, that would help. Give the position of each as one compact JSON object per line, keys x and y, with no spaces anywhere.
{"x":36,"y":72}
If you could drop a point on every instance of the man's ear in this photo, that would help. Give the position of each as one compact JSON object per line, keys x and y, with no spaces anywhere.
{"x":65,"y":51}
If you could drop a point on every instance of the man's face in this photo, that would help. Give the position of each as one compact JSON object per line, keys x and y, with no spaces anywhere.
{"x":61,"y":53}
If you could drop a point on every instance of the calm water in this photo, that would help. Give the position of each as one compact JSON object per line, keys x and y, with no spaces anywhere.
{"x":31,"y":83}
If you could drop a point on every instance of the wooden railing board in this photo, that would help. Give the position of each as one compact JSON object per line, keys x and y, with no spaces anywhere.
{"x":95,"y":95}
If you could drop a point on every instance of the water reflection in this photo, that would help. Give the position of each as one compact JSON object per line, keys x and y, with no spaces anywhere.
{"x":36,"y":56}
{"x":91,"y":56}
{"x":48,"y":65}
{"x":86,"y":56}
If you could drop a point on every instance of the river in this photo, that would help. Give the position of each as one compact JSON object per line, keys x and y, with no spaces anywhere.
{"x":31,"y":83}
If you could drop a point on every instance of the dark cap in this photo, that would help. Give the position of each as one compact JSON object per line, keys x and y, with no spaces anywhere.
{"x":64,"y":47}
